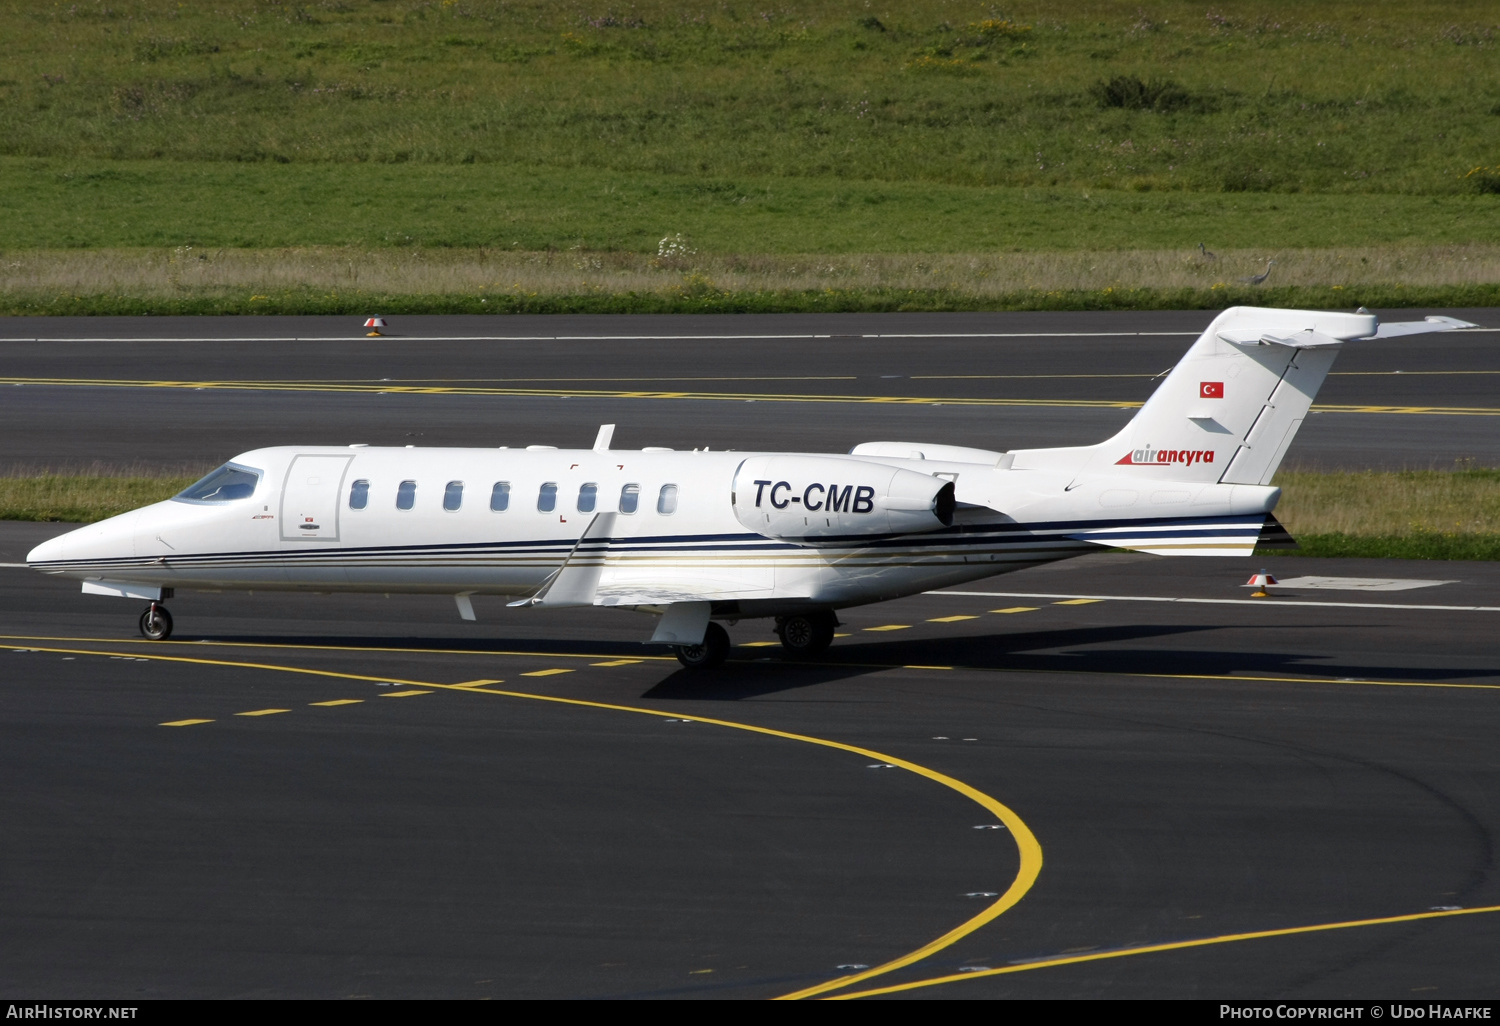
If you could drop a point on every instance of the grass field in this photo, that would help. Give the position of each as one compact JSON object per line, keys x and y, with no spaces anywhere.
{"x":201,"y":279}
{"x":136,"y":203}
{"x":753,"y":132}
{"x":82,"y":498}
{"x":360,"y":156}
{"x":1423,"y":514}
{"x":1335,"y":96}
{"x":1429,"y":514}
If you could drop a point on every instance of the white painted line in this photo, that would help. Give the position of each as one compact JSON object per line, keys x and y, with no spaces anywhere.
{"x":654,"y":338}
{"x":1216,"y":602}
{"x":1043,"y":334}
{"x":1358,"y":583}
{"x":630,"y":338}
{"x":435,"y":338}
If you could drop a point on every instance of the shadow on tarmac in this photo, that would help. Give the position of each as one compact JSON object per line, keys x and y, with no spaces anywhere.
{"x":754,"y":672}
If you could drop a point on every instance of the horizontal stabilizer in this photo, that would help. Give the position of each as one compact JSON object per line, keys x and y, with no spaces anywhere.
{"x":1306,"y":339}
{"x":1421,"y":327}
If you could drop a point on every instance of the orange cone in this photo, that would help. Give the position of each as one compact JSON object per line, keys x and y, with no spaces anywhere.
{"x":1259,"y":582}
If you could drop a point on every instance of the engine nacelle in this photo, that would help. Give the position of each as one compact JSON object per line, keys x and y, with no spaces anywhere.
{"x":810,"y":497}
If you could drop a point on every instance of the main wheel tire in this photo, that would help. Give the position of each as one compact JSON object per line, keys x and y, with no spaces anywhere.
{"x":156,"y":623}
{"x":807,"y":634}
{"x":713,"y":651}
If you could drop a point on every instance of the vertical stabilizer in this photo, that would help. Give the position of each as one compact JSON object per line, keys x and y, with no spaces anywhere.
{"x":1229,"y":409}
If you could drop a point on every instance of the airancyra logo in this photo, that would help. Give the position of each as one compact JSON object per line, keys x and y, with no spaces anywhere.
{"x":1149,"y":457}
{"x":817,"y":497}
{"x":1211,"y":390}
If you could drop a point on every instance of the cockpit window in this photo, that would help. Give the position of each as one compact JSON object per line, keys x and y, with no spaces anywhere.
{"x":228,"y":483}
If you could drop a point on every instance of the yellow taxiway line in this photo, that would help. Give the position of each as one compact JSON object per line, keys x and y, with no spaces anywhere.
{"x":347,"y":648}
{"x":397,"y":388}
{"x":614,"y":659}
{"x":1029,"y":849}
{"x":1150,"y":949}
{"x":394,"y":388}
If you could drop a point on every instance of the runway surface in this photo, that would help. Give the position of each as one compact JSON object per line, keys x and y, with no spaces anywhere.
{"x":128,"y":392}
{"x":1120,"y":776}
{"x":296,"y":797}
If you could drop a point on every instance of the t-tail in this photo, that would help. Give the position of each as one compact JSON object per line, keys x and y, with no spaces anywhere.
{"x":1222,"y":421}
{"x":1230,"y":408}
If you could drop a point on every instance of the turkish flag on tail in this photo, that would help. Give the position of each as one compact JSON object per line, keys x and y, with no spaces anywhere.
{"x":1211,"y":390}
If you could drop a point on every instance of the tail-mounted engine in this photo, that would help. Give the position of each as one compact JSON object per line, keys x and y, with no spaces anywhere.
{"x":815,"y":497}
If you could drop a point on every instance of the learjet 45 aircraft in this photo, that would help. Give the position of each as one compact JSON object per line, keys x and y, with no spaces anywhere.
{"x":700,"y":537}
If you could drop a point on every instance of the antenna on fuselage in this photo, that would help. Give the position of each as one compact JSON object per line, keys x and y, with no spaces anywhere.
{"x":606,"y":434}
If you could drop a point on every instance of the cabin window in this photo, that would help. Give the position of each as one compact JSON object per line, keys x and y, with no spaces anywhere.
{"x":630,"y":498}
{"x":588,"y":494}
{"x":226,"y":484}
{"x":406,"y":495}
{"x":546,"y":499}
{"x":666,"y":502}
{"x":453,"y":495}
{"x":359,"y":494}
{"x":500,"y":496}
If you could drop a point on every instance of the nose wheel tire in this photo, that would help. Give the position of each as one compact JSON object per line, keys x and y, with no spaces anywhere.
{"x":156,"y":623}
{"x":807,"y":634}
{"x":712,"y":652}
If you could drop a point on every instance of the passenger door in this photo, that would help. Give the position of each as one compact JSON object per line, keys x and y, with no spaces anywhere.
{"x":310,"y":498}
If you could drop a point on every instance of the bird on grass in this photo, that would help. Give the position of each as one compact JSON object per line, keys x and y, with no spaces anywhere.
{"x":1256,"y":279}
{"x":1208,"y":254}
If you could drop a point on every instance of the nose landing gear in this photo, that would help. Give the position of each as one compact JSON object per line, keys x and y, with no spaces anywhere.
{"x":156,"y":623}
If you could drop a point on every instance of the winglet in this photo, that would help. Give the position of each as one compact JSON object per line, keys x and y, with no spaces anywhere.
{"x":605,"y":436}
{"x":575,"y":582}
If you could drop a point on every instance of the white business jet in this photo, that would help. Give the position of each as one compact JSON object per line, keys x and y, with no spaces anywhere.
{"x":699,"y":537}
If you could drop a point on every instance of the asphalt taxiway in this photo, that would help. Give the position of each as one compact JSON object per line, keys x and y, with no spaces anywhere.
{"x":154,"y":392}
{"x":1118,"y":776}
{"x":352,"y":795}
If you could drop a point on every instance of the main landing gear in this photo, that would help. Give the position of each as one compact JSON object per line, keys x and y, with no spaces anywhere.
{"x":156,"y":623}
{"x":806,"y":634}
{"x":712,"y":652}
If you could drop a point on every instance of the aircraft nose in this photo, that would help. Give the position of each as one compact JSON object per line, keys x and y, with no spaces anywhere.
{"x":107,"y":540}
{"x":51,"y":549}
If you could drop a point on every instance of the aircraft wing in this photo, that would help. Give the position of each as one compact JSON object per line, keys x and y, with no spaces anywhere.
{"x":654,"y":583}
{"x":606,"y":570}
